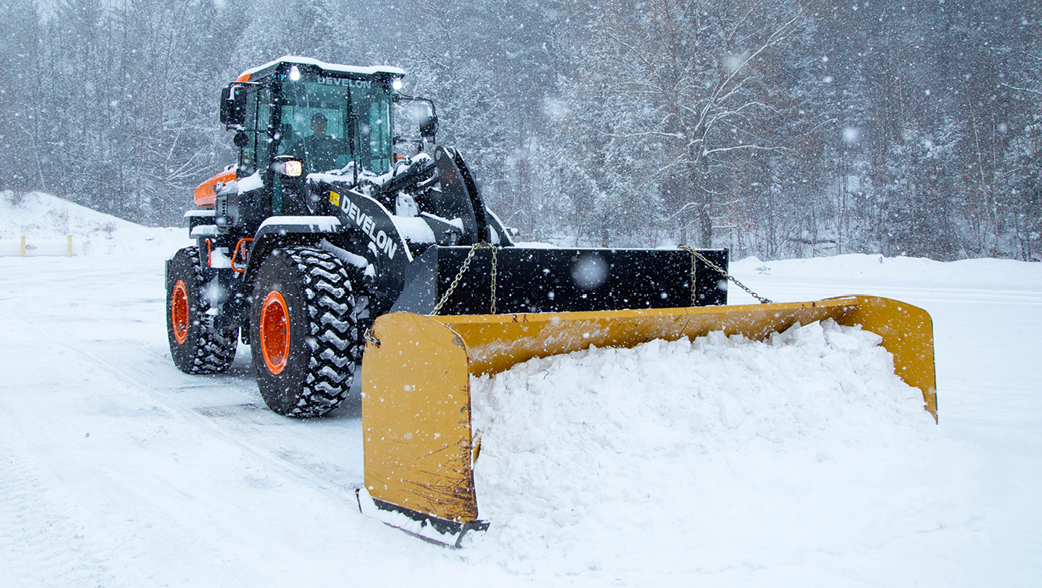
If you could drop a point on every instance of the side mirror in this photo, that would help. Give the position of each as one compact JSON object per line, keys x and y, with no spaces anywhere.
{"x":241,"y":139}
{"x":233,"y":105}
{"x":429,"y":128}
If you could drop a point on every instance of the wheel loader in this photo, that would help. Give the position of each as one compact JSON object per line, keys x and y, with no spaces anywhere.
{"x":345,"y":236}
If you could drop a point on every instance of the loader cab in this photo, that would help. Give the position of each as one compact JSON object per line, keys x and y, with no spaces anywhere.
{"x":331,"y":119}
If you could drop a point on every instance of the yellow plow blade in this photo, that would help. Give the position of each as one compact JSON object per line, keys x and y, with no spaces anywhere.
{"x":418,"y":443}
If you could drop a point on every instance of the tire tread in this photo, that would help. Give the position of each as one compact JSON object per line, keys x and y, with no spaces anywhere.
{"x":335,"y":315}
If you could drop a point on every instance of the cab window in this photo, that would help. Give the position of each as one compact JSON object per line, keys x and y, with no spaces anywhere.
{"x":328,"y":122}
{"x":258,"y":117}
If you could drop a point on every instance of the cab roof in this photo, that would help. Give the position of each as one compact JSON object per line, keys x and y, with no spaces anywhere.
{"x":261,"y":71}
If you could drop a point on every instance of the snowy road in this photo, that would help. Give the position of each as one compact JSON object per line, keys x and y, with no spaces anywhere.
{"x":118,"y":470}
{"x":987,"y":318}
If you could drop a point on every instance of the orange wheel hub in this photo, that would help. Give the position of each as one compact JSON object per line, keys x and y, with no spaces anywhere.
{"x":179,"y":312}
{"x":274,"y":332}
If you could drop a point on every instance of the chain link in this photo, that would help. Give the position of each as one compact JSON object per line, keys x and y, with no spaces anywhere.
{"x":463,"y":270}
{"x":371,"y":338}
{"x":696,"y":255}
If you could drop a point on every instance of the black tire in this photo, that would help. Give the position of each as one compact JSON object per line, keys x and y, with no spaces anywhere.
{"x":307,"y":372}
{"x":195,"y":346}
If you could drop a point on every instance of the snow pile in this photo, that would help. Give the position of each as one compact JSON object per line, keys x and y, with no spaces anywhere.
{"x":36,"y":216}
{"x":875,"y":270}
{"x":710,"y":455}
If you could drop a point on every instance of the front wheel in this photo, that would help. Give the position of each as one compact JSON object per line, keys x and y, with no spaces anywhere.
{"x":306,"y":331}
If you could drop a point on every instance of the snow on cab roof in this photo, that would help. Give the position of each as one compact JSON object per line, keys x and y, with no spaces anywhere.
{"x":368,"y":71}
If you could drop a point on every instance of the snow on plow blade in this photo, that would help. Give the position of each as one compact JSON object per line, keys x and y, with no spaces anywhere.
{"x":418,"y":444}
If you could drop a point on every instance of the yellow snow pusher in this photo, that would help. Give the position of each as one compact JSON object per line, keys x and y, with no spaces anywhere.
{"x":419,"y":445}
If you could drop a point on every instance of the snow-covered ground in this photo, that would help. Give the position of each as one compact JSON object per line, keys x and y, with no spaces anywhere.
{"x":800,"y":462}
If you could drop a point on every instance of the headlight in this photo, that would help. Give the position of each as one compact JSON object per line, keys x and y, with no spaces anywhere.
{"x":291,"y":168}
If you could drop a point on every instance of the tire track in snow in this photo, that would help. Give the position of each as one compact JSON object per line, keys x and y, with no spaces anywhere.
{"x":40,"y":545}
{"x":282,"y":461}
{"x":310,"y":454}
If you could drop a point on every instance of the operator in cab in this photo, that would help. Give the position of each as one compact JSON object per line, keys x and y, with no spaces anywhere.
{"x":319,"y":151}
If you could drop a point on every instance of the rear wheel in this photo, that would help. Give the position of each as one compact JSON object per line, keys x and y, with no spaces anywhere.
{"x":195,"y":346}
{"x":306,"y":331}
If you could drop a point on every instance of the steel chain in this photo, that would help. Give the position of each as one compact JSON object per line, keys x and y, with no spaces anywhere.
{"x":463,"y":270}
{"x":696,"y":255}
{"x":371,"y":338}
{"x":495,"y":262}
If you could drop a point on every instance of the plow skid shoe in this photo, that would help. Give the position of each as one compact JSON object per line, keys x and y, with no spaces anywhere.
{"x":418,"y":443}
{"x":426,"y":527}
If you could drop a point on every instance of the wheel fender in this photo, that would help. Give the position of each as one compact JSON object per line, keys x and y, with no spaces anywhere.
{"x":369,"y":226}
{"x":283,"y":231}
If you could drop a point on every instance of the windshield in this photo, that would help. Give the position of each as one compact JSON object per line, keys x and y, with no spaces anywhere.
{"x":328,"y":122}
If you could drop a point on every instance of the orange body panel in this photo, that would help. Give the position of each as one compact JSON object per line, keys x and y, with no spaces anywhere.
{"x":207,"y":191}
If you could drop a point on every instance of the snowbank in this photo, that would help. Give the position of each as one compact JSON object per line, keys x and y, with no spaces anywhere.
{"x":710,"y":454}
{"x":40,"y":216}
{"x":876,"y":269}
